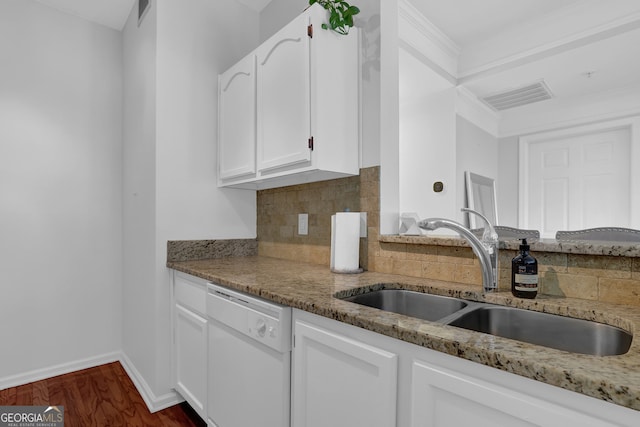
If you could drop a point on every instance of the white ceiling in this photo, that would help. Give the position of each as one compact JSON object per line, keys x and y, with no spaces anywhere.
{"x":467,"y":20}
{"x":578,"y":47}
{"x":114,"y":13}
{"x":110,"y":13}
{"x":504,"y":44}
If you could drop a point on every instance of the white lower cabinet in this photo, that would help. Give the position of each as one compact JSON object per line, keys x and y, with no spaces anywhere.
{"x":347,"y":376}
{"x":190,"y":341}
{"x":340,"y":381}
{"x":444,"y":398}
{"x":342,"y":375}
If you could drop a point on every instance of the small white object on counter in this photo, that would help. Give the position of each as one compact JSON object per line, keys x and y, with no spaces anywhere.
{"x":345,"y":242}
{"x":409,"y":224}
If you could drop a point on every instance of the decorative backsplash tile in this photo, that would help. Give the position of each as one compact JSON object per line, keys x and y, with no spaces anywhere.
{"x":278,"y":210}
{"x":613,"y":279}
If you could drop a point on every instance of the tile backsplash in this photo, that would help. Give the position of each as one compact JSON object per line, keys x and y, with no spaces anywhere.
{"x":613,"y":279}
{"x":278,"y":210}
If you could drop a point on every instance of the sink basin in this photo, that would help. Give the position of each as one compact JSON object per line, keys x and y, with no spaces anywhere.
{"x":549,"y":330}
{"x":562,"y":333}
{"x":410,"y":303}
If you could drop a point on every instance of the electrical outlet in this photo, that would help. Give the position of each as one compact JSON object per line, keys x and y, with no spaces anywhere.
{"x":303,"y":224}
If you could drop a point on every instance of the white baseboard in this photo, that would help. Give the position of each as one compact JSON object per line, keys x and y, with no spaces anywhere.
{"x":153,"y":402}
{"x":63,"y":368}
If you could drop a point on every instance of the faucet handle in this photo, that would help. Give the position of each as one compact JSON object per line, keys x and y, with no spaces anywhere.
{"x":489,"y":234}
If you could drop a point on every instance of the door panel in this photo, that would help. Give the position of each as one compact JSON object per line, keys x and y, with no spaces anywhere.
{"x":579,"y":181}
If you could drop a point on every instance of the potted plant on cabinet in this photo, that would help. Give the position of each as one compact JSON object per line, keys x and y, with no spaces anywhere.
{"x":341,"y":15}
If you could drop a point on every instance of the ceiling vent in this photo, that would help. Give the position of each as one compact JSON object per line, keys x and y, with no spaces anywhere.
{"x":524,"y":95}
{"x":143,"y":7}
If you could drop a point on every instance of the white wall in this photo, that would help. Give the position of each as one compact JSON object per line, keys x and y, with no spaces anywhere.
{"x":194,"y":45}
{"x":476,"y":151}
{"x":507,"y":190}
{"x":171,"y":67}
{"x":428,"y":154}
{"x":427,"y":140}
{"x":60,"y":192}
{"x":139,"y":193}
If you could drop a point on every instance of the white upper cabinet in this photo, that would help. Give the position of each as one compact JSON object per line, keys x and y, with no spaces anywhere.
{"x":237,"y":120}
{"x":284,"y":127}
{"x":306,"y":101}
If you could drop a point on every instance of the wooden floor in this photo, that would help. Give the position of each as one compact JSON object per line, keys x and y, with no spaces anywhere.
{"x":101,"y":396}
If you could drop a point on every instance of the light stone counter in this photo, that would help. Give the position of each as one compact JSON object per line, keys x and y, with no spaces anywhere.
{"x":625,"y":249}
{"x":312,"y":288}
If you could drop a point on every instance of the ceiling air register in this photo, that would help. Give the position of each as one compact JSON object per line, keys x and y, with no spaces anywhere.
{"x":524,"y":95}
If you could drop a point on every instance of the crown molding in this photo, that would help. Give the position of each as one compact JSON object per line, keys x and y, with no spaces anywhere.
{"x":582,"y":38}
{"x":424,"y":37}
{"x":475,"y":111}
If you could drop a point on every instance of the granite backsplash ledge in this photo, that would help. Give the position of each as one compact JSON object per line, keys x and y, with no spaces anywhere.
{"x":191,"y":250}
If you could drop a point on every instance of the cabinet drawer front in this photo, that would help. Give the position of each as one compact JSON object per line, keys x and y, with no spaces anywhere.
{"x":191,"y":294}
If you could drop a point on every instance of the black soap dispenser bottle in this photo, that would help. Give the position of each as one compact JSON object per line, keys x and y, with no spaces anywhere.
{"x":524,"y":273}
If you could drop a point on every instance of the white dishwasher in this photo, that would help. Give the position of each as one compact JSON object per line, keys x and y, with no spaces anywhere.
{"x":249,"y":360}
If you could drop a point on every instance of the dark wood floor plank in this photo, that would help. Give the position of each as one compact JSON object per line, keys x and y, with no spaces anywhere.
{"x":40,"y":393}
{"x":102,"y":396}
{"x":24,"y":395}
{"x":8,"y":396}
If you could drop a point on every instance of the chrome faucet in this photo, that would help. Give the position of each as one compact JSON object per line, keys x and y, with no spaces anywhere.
{"x":486,"y":249}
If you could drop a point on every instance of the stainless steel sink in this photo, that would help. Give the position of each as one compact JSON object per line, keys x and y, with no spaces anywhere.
{"x":410,"y":303}
{"x":562,"y":333}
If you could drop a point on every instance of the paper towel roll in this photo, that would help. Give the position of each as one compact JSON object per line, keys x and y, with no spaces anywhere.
{"x":345,"y":242}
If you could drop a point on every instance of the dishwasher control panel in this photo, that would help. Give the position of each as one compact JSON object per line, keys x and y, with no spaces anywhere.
{"x":263,"y":328}
{"x":264,"y":321}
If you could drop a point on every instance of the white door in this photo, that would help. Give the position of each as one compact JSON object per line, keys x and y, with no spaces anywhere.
{"x":284,"y":114}
{"x":578,"y":181}
{"x":338,"y":381}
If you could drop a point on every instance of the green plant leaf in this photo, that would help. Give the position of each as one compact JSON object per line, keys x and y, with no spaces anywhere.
{"x":353,"y":10}
{"x":340,"y":14}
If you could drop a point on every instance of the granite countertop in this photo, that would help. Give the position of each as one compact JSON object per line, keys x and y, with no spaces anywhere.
{"x":312,"y":287}
{"x":626,"y":249}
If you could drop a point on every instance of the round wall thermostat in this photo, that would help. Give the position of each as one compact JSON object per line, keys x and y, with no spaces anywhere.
{"x":438,"y":186}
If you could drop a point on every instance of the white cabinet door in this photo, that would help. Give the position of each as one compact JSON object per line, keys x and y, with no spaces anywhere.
{"x":338,"y":381}
{"x":190,"y":340}
{"x":306,"y":108}
{"x":283,"y":97}
{"x":191,"y":358}
{"x":237,"y":121}
{"x":445,"y":398}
